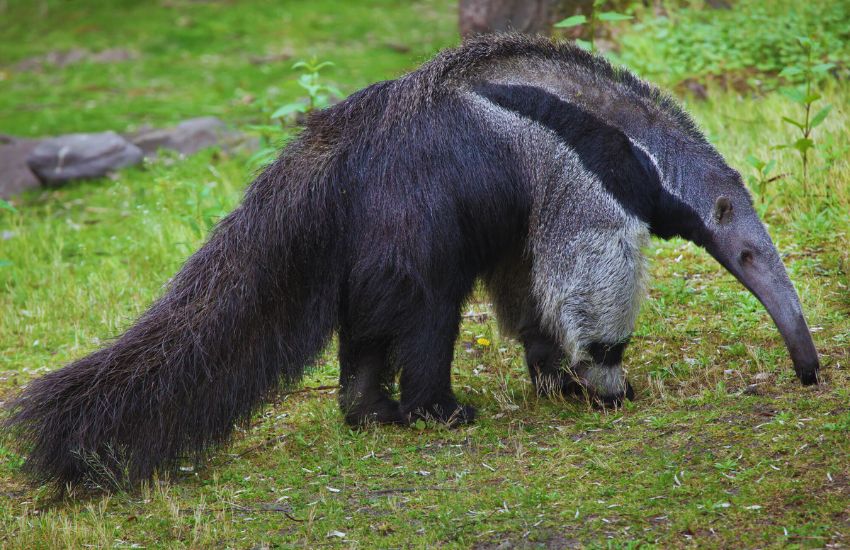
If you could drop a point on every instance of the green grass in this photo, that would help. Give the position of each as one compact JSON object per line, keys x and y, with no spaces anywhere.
{"x":695,"y":461}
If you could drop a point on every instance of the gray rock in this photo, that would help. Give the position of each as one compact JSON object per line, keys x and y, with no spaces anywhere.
{"x":65,"y":58}
{"x":81,"y":156}
{"x":752,"y":389}
{"x":113,"y":55}
{"x":58,"y":58}
{"x":15,"y":175}
{"x":187,"y":137}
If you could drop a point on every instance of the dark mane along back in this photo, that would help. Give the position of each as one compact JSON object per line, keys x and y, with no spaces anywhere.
{"x":456,"y":66}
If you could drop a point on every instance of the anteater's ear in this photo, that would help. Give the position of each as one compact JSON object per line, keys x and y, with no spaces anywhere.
{"x":722,"y":210}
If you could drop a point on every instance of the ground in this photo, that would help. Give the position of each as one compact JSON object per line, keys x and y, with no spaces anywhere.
{"x":722,"y":447}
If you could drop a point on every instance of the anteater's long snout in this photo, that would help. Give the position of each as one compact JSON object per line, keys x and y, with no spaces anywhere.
{"x":752,"y":257}
{"x":774,"y":289}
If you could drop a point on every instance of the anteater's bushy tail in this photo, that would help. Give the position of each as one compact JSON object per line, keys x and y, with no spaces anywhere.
{"x":251,"y":308}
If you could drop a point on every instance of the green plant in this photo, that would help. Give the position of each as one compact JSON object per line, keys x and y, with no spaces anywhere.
{"x":730,"y":47}
{"x":726,"y":465}
{"x":591,"y":22}
{"x":761,"y":176}
{"x":273,"y":136}
{"x":318,"y":93}
{"x":810,"y":73}
{"x":5,"y":205}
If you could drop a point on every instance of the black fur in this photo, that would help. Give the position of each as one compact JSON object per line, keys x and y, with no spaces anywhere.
{"x":607,"y":354}
{"x":350,"y":230}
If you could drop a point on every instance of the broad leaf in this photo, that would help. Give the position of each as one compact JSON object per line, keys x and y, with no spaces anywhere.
{"x":794,"y":122}
{"x":820,"y":116}
{"x":584,"y":44}
{"x":803,"y":145}
{"x":794,"y":95}
{"x":754,"y":162}
{"x":289,"y":109}
{"x":334,"y":91}
{"x":573,"y":21}
{"x":613,"y":16}
{"x":770,"y":166}
{"x":823,"y":67}
{"x":812,"y":97}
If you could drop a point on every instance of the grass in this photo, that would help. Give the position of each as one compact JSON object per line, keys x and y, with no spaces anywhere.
{"x":699,"y":459}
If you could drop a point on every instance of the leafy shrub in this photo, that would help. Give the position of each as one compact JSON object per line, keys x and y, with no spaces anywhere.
{"x":755,"y":40}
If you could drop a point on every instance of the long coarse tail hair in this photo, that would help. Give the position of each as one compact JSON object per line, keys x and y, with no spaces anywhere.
{"x":249,"y":310}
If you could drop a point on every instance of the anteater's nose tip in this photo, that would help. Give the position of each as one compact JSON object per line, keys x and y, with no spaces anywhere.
{"x":809,"y":376}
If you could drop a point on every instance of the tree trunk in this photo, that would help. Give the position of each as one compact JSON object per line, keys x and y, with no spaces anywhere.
{"x":526,"y":16}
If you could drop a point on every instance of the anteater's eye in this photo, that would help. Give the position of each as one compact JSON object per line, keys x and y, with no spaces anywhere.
{"x":746,"y":257}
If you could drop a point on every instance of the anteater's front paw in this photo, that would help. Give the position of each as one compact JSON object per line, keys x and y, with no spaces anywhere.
{"x":450,"y":413}
{"x":605,"y":386}
{"x":615,"y":399}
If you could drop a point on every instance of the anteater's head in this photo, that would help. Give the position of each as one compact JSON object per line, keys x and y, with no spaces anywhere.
{"x":711,"y":207}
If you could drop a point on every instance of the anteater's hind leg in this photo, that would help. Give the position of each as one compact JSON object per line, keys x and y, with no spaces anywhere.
{"x":366,"y":381}
{"x":423,"y":349}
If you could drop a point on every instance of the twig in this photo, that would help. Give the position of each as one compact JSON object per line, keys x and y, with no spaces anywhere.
{"x":383,"y":492}
{"x":777,"y":177}
{"x":309,"y":389}
{"x":258,"y":446}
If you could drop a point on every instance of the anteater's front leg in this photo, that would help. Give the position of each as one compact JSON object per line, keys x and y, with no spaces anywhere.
{"x":600,"y":375}
{"x":588,"y":288}
{"x":545,"y":361}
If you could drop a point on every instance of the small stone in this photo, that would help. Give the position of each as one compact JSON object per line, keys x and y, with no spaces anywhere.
{"x":81,"y":156}
{"x":65,"y":58}
{"x":752,"y":389}
{"x":698,"y":90}
{"x":399,"y":47}
{"x":187,"y":138}
{"x":15,"y":175}
{"x":762,"y":377}
{"x":113,"y":55}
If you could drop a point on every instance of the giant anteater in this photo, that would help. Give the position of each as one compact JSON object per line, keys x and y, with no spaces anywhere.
{"x":532,"y":165}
